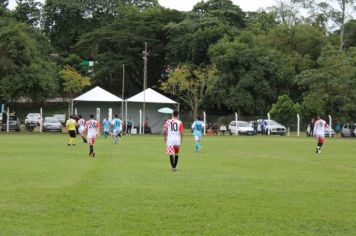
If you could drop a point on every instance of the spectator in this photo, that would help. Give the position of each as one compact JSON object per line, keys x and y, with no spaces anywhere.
{"x":222,"y":129}
{"x":263,"y":126}
{"x":337,"y":128}
{"x":255,"y":126}
{"x":311,"y":125}
{"x":129,"y":124}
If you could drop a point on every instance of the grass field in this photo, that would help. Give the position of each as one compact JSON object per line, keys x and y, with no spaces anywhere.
{"x":235,"y":186}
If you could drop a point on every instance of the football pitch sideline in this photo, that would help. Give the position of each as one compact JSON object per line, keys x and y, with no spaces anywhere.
{"x":234,"y":186}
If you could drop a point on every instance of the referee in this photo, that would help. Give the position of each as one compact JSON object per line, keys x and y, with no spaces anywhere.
{"x":71,"y":127}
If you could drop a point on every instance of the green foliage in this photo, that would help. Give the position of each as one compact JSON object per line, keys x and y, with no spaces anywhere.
{"x":189,"y":40}
{"x":190,"y":85}
{"x":25,"y":67}
{"x":73,"y":82}
{"x":28,"y":11}
{"x":333,"y":84}
{"x":284,"y":110}
{"x":251,"y":75}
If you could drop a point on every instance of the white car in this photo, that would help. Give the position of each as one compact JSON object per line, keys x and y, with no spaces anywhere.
{"x":274,"y":127}
{"x":33,"y":118}
{"x":242,"y":127}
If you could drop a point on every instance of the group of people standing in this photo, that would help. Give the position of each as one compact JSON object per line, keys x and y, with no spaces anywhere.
{"x":89,"y":130}
{"x":86,"y":129}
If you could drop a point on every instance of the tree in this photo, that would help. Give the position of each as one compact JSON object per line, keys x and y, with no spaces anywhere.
{"x":190,"y":85}
{"x":251,"y":75}
{"x":73,"y":82}
{"x":284,"y":110}
{"x":25,"y":67}
{"x":333,"y":84}
{"x":28,"y":11}
{"x":336,"y":11}
{"x":210,"y":21}
{"x":122,"y":42}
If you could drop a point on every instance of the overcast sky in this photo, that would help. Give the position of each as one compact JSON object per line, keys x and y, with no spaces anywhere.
{"x":187,"y":5}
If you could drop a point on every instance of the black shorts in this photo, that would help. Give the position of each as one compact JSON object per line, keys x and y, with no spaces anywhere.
{"x":72,"y":133}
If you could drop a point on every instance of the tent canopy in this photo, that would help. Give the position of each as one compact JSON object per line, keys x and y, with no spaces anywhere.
{"x":151,"y":96}
{"x":98,"y":94}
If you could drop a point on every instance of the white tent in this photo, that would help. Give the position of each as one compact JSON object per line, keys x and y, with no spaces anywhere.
{"x":97,"y":97}
{"x":154,"y":101}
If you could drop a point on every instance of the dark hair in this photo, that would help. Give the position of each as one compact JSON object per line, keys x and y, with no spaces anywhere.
{"x":91,"y":116}
{"x":80,"y":116}
{"x":116,"y":115}
{"x":199,"y":118}
{"x":175,"y":113}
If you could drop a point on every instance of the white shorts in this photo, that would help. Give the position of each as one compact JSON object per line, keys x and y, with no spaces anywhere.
{"x":116,"y":132}
{"x":80,"y":130}
{"x":173,"y":142}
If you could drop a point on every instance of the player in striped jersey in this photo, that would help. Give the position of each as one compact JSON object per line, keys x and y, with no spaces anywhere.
{"x":91,"y":130}
{"x":81,"y":127}
{"x":319,"y":132}
{"x":173,"y":135}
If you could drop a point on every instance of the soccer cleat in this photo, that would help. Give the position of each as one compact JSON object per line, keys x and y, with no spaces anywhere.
{"x":93,"y":155}
{"x":174,"y":169}
{"x":68,"y":144}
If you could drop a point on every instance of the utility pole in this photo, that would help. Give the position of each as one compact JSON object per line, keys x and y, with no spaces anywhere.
{"x":144,"y":86}
{"x":123,"y":92}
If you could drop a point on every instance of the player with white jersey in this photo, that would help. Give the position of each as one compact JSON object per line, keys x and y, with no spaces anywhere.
{"x":116,"y":128}
{"x":319,"y":132}
{"x":173,"y":135}
{"x":91,"y":130}
{"x":198,"y":127}
{"x":81,"y":127}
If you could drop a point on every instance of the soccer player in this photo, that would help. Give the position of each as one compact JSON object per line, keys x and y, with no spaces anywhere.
{"x":91,"y":129}
{"x":116,"y":128}
{"x":81,"y":127}
{"x":71,"y":127}
{"x":319,"y":131}
{"x":198,"y":127}
{"x":106,"y":127}
{"x":173,"y":135}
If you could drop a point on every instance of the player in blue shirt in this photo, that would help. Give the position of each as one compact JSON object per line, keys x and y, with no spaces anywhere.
{"x":198,"y":128}
{"x":116,"y":128}
{"x":106,"y":126}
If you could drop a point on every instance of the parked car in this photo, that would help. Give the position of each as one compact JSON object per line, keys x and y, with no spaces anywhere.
{"x":348,"y":130}
{"x":61,"y":118}
{"x":33,"y":118}
{"x":242,"y":127}
{"x":52,"y":124}
{"x":327,"y":133}
{"x":274,"y":127}
{"x":14,"y":122}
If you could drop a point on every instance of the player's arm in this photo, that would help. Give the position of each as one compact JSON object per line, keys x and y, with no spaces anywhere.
{"x":181,"y":131}
{"x":165,"y":132}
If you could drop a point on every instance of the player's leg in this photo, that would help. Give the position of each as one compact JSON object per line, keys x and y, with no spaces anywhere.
{"x":320,"y":143}
{"x":171,"y":159}
{"x":176,"y":157}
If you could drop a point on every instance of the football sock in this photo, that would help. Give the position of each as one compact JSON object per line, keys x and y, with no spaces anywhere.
{"x":171,"y":160}
{"x":91,"y":149}
{"x":196,"y":147}
{"x":175,"y":161}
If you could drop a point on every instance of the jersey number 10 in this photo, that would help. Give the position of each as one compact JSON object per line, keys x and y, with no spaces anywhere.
{"x":174,"y":126}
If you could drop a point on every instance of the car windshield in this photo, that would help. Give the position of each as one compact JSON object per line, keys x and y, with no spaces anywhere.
{"x":33,"y":115}
{"x":51,"y":120}
{"x":244,"y":124}
{"x":274,"y":122}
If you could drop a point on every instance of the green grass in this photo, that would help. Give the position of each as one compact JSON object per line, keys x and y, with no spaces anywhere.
{"x":235,"y":186}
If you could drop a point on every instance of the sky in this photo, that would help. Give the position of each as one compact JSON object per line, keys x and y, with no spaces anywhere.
{"x":187,"y":5}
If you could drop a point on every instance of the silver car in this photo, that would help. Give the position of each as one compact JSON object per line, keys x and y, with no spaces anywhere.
{"x":274,"y":127}
{"x":348,"y":130}
{"x":52,"y":124}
